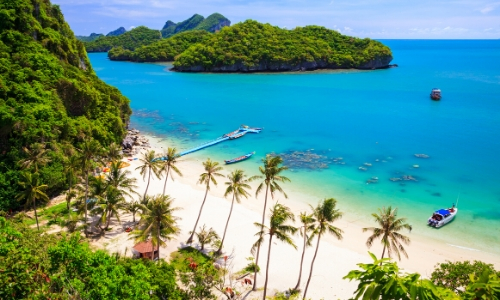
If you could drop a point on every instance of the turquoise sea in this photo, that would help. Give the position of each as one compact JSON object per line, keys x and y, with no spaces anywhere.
{"x":380,"y":117}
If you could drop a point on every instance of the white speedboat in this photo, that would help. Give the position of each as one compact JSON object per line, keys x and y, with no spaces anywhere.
{"x":442,"y":217}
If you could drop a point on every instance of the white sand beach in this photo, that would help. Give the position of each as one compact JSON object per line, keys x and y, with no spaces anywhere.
{"x":335,"y":258}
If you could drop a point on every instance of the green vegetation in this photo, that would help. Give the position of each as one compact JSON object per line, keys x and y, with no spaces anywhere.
{"x":50,"y":97}
{"x":456,"y":275}
{"x":252,"y":46}
{"x":162,"y":50}
{"x":47,"y":266}
{"x":130,"y":40}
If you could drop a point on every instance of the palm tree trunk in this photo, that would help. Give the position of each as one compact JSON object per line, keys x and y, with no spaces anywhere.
{"x":267,"y":266}
{"x":227,"y":223}
{"x":312,"y":265}
{"x":86,"y":199}
{"x":302,"y":260}
{"x":108,"y":220}
{"x":158,"y":239}
{"x":190,"y":240}
{"x":147,"y":186}
{"x":36,"y":215}
{"x":166,"y":178}
{"x":254,"y":288}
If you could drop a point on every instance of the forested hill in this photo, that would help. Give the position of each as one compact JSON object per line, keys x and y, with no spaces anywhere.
{"x":162,"y":50}
{"x":130,"y":40}
{"x":142,"y":36}
{"x":212,"y":23}
{"x":50,"y":97}
{"x":251,"y":46}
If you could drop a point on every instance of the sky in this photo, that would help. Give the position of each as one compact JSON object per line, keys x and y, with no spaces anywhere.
{"x":379,"y":19}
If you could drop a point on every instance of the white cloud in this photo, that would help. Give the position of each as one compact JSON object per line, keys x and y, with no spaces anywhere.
{"x":131,"y":27}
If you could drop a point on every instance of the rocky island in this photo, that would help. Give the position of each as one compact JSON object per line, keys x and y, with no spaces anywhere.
{"x":255,"y":47}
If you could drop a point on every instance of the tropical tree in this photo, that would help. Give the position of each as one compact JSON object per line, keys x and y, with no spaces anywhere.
{"x":205,"y":236}
{"x":170,"y":159}
{"x":237,"y":186}
{"x":89,"y":150}
{"x":212,"y":170}
{"x":149,"y":163}
{"x":271,"y":170}
{"x":278,"y":228}
{"x":71,"y":167}
{"x":306,"y":231}
{"x":109,"y":207}
{"x":32,"y":192}
{"x":36,"y":157}
{"x":383,"y":279}
{"x":325,"y":214}
{"x":133,"y":207}
{"x":114,"y":152}
{"x":120,"y":179}
{"x":158,"y":222}
{"x":388,"y":232}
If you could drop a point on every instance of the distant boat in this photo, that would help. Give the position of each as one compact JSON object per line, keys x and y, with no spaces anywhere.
{"x":421,"y":155}
{"x":238,"y":159}
{"x":436,"y":94}
{"x":442,"y":217}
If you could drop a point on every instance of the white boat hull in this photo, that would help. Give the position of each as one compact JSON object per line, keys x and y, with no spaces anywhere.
{"x":444,"y":219}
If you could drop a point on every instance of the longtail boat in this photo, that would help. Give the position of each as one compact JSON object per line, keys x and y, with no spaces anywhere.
{"x":238,"y":159}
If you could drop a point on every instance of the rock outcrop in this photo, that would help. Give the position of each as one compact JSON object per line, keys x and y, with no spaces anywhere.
{"x":117,"y":32}
{"x":263,"y":66}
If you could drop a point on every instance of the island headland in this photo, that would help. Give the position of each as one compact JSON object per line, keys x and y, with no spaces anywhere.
{"x":255,"y":47}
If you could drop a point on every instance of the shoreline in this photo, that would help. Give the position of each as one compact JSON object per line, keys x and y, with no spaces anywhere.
{"x":335,"y":258}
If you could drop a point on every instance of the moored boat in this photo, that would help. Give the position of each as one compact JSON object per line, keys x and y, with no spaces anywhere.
{"x":442,"y":217}
{"x":238,"y":159}
{"x":436,"y":94}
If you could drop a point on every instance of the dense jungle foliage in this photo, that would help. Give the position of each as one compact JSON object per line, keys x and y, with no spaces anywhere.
{"x":212,"y":23}
{"x":132,"y":39}
{"x":163,"y":50}
{"x":49,"y":95}
{"x":251,"y":43}
{"x":51,"y":266}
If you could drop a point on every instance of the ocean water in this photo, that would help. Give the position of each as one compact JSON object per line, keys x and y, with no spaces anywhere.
{"x":380,"y":117}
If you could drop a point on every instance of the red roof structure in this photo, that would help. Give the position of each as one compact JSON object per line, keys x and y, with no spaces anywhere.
{"x":145,"y":250}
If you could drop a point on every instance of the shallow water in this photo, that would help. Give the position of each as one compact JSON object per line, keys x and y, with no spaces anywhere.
{"x":380,"y":117}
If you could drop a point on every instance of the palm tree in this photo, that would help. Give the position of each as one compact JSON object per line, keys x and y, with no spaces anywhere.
{"x":71,"y":166}
{"x":306,"y":229}
{"x":388,"y":231}
{"x":271,"y":173}
{"x":133,"y":208}
{"x":280,"y":214}
{"x":114,"y":152}
{"x":35,"y":158}
{"x":205,"y":236}
{"x":158,"y":222}
{"x":169,"y":161}
{"x":325,"y":214}
{"x":150,"y":163}
{"x":120,"y":180}
{"x":238,"y":186}
{"x":89,"y":150}
{"x":108,"y":207}
{"x":212,"y":170}
{"x":32,"y":191}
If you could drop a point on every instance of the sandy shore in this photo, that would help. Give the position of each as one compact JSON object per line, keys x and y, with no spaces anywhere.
{"x":335,"y":258}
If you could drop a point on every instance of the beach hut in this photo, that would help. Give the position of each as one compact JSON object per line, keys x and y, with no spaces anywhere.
{"x":144,"y":250}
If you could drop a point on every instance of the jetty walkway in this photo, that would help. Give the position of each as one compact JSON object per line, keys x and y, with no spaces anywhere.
{"x":241,"y":131}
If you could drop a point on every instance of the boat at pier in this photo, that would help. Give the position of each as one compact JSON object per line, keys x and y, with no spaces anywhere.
{"x":238,"y":159}
{"x":436,"y":94}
